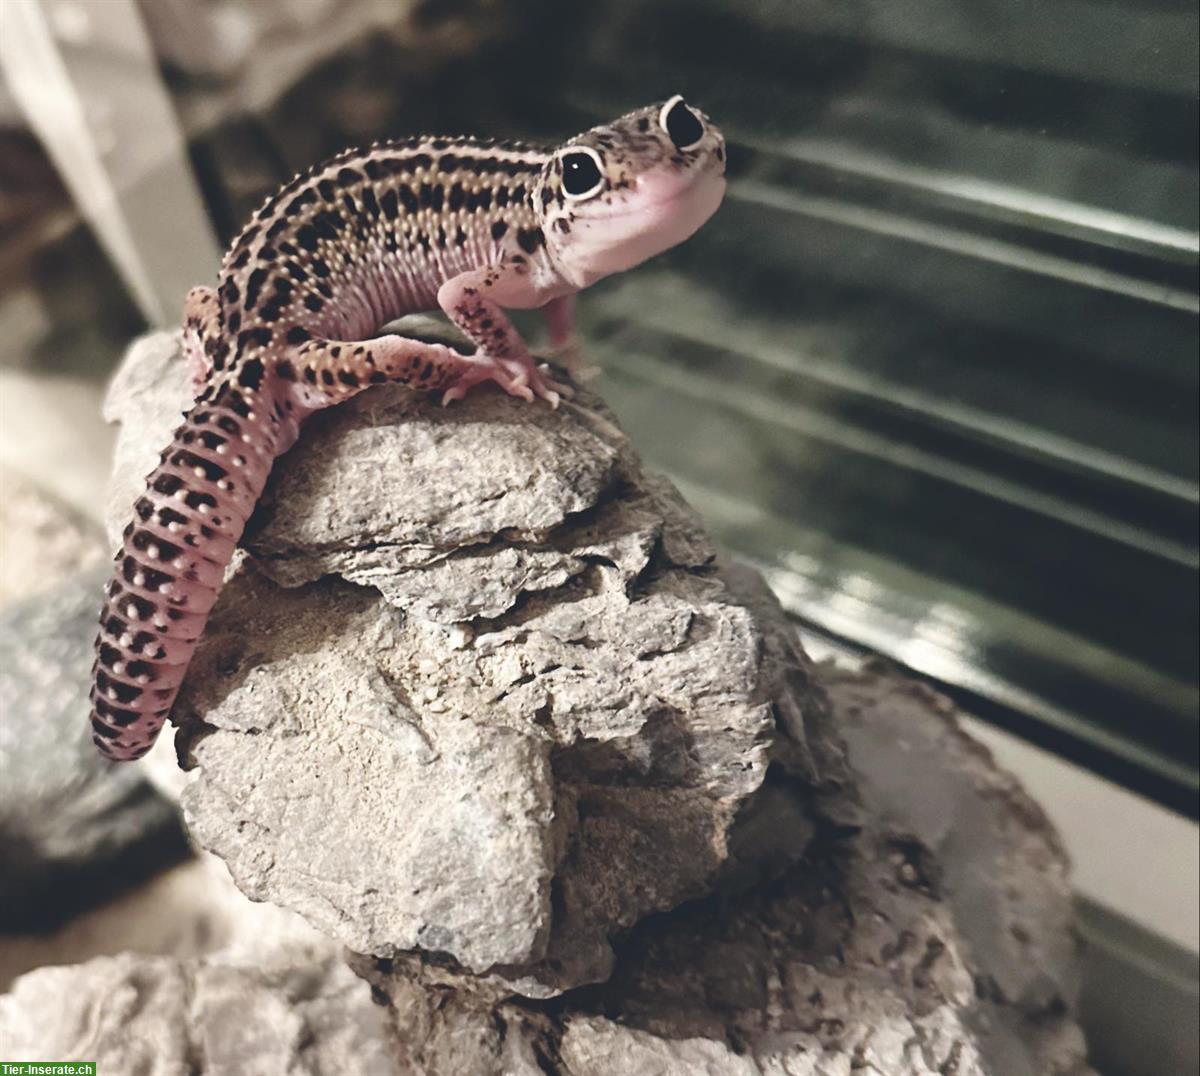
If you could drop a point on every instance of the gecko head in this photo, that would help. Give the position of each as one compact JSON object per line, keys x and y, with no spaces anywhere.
{"x":618,"y":194}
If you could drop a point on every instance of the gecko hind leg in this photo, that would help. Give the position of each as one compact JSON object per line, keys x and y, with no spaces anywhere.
{"x":201,"y":323}
{"x":329,"y":371}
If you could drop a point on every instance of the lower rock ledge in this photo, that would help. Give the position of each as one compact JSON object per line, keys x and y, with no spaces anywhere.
{"x":844,"y":965}
{"x":935,"y":939}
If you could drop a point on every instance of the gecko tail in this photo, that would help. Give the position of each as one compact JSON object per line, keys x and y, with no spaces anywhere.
{"x":171,"y":564}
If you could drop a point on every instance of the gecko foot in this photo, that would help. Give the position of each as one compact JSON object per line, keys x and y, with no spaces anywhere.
{"x":514,"y":376}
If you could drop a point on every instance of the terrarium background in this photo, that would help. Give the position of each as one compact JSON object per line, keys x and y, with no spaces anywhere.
{"x":933,"y":366}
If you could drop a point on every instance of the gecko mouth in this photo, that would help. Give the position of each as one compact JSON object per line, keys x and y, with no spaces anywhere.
{"x":661,"y":188}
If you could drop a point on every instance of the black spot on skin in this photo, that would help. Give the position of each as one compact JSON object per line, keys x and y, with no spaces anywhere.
{"x":144,"y":508}
{"x":456,"y":198}
{"x":347,"y":177}
{"x":407,"y":198}
{"x":310,"y":375}
{"x":121,"y":692}
{"x":143,"y":540}
{"x":167,"y":484}
{"x":259,"y":337}
{"x":326,"y":189}
{"x":369,"y":202}
{"x":253,"y":286}
{"x":230,"y":292}
{"x":238,"y":405}
{"x":285,"y":370}
{"x":104,"y":731}
{"x":529,"y":239}
{"x":563,"y":225}
{"x":297,"y":334}
{"x":498,"y":229}
{"x":234,"y":322}
{"x":377,"y":377}
{"x":212,"y":471}
{"x":300,"y":201}
{"x":326,"y":224}
{"x":268,"y":254}
{"x":447,"y":163}
{"x":319,"y":266}
{"x":422,"y":160}
{"x":327,"y":377}
{"x":314,"y":302}
{"x":388,"y":204}
{"x":251,"y":374}
{"x":347,"y":378}
{"x":460,"y":237}
{"x":373,"y":170}
{"x":241,"y":260}
{"x":441,"y":237}
{"x":643,"y":125}
{"x":296,"y":272}
{"x":336,"y":352}
{"x":501,"y":197}
{"x":195,"y":499}
{"x":167,"y":516}
{"x":307,"y":237}
{"x":229,"y":425}
{"x":143,"y":608}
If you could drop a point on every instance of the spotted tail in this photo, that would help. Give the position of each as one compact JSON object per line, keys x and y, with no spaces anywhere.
{"x":172,"y":561}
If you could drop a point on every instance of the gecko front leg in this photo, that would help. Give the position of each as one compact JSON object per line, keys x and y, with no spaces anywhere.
{"x":565,"y":342}
{"x":473,"y":301}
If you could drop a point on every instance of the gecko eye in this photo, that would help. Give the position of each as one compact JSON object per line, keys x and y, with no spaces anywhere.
{"x":583,"y":174}
{"x":682,"y":125}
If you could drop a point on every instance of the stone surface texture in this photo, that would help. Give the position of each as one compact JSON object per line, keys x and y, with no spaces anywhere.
{"x":481,"y":702}
{"x":42,"y":539}
{"x":482,"y":686}
{"x":294,"y":1009}
{"x":859,"y":959}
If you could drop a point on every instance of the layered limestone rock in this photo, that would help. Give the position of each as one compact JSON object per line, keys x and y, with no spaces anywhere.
{"x":482,"y":703}
{"x":866,"y":956}
{"x":482,"y":686}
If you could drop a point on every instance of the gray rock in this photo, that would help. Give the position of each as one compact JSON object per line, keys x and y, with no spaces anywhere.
{"x":42,"y":539}
{"x":293,"y":1010}
{"x":866,"y":956}
{"x":965,"y":829}
{"x":482,"y":686}
{"x":512,"y":731}
{"x":74,"y":829}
